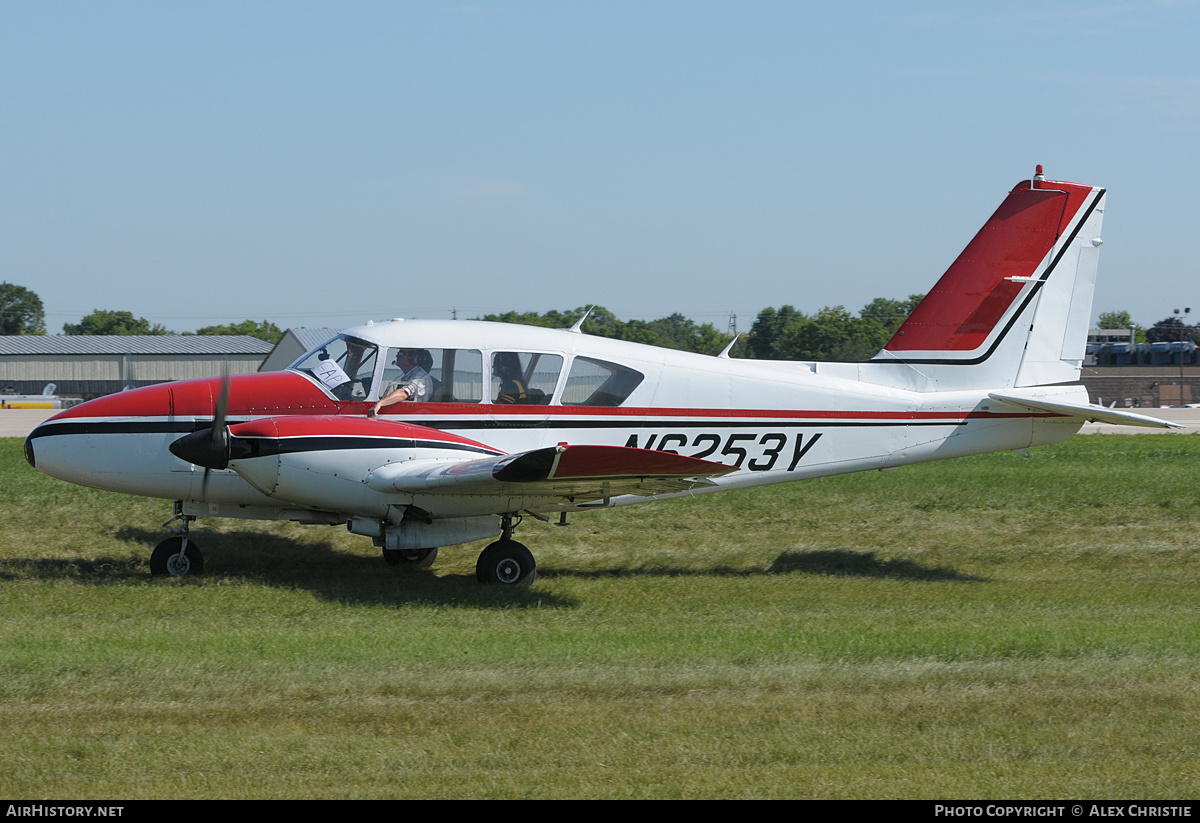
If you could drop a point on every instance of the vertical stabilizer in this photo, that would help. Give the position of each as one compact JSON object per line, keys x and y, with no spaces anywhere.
{"x":1013,"y":309}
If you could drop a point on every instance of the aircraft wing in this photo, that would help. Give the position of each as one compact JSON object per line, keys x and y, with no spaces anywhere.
{"x":1089,"y":412}
{"x":571,"y":472}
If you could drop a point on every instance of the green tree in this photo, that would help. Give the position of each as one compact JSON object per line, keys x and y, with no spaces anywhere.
{"x":600,"y":321}
{"x":672,"y":332}
{"x":1170,"y":330}
{"x":678,"y":332}
{"x":889,"y":315}
{"x":830,"y":334}
{"x":1121,"y":320}
{"x":21,"y":311}
{"x":265,"y":330}
{"x":768,"y":331}
{"x":1115,"y":320}
{"x":552,"y":319}
{"x":103,"y":321}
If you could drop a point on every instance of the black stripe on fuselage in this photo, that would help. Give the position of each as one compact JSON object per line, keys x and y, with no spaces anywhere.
{"x":51,"y":429}
{"x":269,"y":446}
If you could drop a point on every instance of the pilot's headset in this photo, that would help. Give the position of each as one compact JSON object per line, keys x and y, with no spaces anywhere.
{"x":508,"y":365}
{"x":424,"y":359}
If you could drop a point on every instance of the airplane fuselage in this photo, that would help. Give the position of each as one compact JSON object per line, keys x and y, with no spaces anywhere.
{"x":772,"y":421}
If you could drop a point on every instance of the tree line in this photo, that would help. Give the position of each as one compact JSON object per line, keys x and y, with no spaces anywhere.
{"x":833,"y":333}
{"x":784,"y":333}
{"x":21,"y":312}
{"x":1168,"y":330}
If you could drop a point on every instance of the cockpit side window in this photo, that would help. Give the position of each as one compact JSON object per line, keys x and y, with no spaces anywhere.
{"x":345,"y":366}
{"x":524,"y":378}
{"x":457,"y":373}
{"x":599,"y":383}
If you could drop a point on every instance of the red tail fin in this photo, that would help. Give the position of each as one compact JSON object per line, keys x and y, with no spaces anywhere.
{"x":964,"y":311}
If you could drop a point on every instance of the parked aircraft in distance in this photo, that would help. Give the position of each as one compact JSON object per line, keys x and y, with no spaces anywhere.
{"x":485,"y":422}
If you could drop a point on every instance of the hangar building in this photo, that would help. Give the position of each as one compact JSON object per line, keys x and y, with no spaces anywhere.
{"x":294,"y":343}
{"x":92,"y":365}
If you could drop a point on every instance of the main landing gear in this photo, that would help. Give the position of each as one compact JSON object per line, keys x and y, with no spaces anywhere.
{"x":506,"y":561}
{"x":177,"y":556}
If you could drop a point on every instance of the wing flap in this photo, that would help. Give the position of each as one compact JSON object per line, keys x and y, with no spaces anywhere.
{"x":572,"y":472}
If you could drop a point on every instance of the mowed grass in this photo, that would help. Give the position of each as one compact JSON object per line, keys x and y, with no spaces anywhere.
{"x":992,"y":627}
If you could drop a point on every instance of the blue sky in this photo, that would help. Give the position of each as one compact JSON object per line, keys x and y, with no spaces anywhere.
{"x":327,"y":163}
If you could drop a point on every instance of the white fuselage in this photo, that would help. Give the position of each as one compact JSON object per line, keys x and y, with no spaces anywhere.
{"x":774,"y":421}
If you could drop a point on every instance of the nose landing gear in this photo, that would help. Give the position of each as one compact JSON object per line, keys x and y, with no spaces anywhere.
{"x":177,"y":556}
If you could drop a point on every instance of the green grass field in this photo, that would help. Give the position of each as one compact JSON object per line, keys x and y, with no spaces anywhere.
{"x":992,"y":627}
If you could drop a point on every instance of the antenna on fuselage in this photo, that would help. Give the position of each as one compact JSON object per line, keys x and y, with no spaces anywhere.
{"x":724,"y":355}
{"x":578,"y":327}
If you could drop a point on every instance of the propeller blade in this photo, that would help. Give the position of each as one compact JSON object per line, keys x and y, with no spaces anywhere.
{"x":218,"y":427}
{"x":220,"y":434}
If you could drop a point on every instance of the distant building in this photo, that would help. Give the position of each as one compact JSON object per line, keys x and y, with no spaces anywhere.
{"x":93,"y":365}
{"x":294,"y":343}
{"x":1119,"y":371}
{"x":1100,"y":336}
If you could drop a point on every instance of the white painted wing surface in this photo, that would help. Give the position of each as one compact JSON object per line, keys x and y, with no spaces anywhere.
{"x":571,"y":472}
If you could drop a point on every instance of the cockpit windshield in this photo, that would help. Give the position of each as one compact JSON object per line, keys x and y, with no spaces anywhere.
{"x":345,"y":366}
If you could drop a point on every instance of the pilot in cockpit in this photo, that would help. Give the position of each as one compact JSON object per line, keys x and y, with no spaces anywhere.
{"x":415,"y":382}
{"x":507,"y":367}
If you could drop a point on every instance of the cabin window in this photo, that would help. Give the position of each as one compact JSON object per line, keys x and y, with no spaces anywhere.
{"x":599,"y":383}
{"x":524,"y":378}
{"x":345,"y":366}
{"x":457,"y":373}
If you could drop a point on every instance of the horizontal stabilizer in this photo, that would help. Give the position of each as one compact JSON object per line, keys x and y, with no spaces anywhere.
{"x":573,"y":472}
{"x":1088,"y":412}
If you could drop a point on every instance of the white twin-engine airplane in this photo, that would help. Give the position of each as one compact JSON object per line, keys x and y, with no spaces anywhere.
{"x":504,"y":420}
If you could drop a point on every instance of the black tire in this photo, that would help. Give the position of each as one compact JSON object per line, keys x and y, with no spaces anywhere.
{"x":165,"y":559}
{"x":412,"y":558}
{"x":506,"y":562}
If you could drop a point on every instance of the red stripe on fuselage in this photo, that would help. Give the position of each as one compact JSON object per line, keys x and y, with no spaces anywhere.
{"x":973,"y":295}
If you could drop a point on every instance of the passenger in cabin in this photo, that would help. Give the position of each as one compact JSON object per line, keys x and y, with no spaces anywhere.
{"x":507,"y":367}
{"x":415,"y":382}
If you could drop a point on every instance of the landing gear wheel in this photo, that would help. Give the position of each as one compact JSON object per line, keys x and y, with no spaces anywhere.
{"x":413,"y":558}
{"x":165,"y":559}
{"x":507,"y":562}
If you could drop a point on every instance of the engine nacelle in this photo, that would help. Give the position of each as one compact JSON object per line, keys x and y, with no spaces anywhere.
{"x":324,"y":462}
